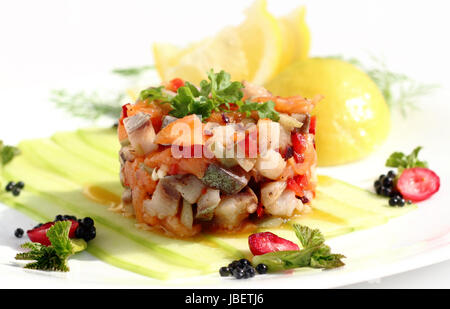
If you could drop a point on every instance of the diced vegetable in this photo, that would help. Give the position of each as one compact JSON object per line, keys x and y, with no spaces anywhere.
{"x":227,"y":181}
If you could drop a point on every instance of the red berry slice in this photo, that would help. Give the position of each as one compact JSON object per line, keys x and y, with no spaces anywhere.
{"x":39,"y":234}
{"x":262,"y":243}
{"x":418,"y":184}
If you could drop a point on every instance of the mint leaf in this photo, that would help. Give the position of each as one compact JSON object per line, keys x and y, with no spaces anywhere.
{"x":323,"y":258}
{"x":308,"y":237}
{"x":315,"y":253}
{"x":53,"y":257}
{"x":282,"y":260}
{"x":402,"y":161}
{"x":58,"y":235}
{"x":413,"y":160}
{"x":396,"y":159}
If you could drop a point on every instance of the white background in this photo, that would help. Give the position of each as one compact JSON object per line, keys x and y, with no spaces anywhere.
{"x":74,"y":44}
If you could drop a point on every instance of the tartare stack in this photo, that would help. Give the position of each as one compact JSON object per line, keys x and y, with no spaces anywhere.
{"x":219,"y":157}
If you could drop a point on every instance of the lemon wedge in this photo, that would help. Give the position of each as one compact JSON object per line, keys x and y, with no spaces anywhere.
{"x":296,"y":37}
{"x":352,"y":120}
{"x":250,"y":51}
{"x":223,"y":52}
{"x":260,"y":34}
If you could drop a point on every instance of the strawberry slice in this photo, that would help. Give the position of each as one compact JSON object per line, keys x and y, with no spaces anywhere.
{"x":39,"y":234}
{"x":262,"y":243}
{"x":418,"y":183}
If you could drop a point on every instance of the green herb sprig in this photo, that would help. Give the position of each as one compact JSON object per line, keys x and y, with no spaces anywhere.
{"x":314,"y":254}
{"x":89,"y":106}
{"x":215,"y":94}
{"x":53,"y":257}
{"x":133,"y":71}
{"x":92,"y":105}
{"x":7,"y":153}
{"x":402,"y":161}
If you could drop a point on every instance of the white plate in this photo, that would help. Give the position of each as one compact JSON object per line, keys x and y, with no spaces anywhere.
{"x":415,"y":240}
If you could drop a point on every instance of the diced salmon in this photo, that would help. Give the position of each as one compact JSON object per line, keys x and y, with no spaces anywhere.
{"x":195,"y":166}
{"x":290,"y":105}
{"x":186,"y":131}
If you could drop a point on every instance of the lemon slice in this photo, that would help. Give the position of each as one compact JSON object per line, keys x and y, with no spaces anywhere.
{"x":165,"y":56}
{"x":296,"y":37}
{"x":250,"y":51}
{"x":353,"y":119}
{"x":260,"y":34}
{"x":223,"y":52}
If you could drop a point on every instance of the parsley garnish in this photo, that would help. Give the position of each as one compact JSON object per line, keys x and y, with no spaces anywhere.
{"x":402,"y":161}
{"x":314,"y":254}
{"x":53,"y":257}
{"x":265,"y":110}
{"x":215,"y":94}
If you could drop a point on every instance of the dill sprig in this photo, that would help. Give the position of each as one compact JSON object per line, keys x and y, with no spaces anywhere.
{"x":89,"y":106}
{"x":399,"y":90}
{"x":133,"y":71}
{"x":92,"y":105}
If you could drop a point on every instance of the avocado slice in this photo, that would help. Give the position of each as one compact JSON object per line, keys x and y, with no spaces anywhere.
{"x":359,"y":198}
{"x":55,"y":175}
{"x":109,"y":245}
{"x":102,"y":139}
{"x":69,"y":195}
